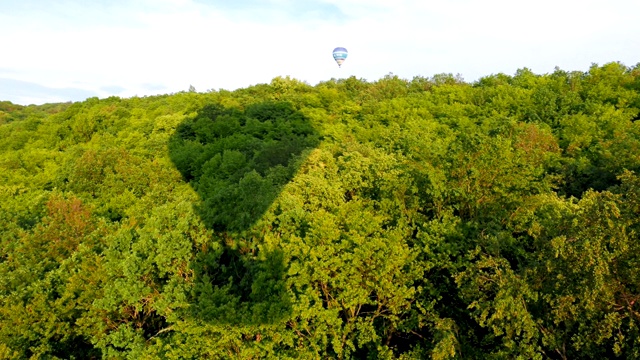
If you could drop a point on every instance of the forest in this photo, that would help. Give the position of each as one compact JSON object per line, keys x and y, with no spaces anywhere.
{"x":429,"y":218}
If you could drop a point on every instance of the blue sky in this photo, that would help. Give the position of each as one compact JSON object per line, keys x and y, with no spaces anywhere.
{"x":67,"y":50}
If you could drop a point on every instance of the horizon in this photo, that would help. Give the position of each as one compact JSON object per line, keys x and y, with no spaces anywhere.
{"x":70,"y":51}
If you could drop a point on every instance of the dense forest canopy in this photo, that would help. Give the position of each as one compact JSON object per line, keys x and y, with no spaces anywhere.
{"x":423,"y":218}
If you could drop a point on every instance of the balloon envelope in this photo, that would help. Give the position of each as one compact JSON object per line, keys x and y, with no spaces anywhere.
{"x":340,"y":55}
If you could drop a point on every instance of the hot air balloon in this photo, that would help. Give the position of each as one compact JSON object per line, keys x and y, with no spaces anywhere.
{"x":340,"y":55}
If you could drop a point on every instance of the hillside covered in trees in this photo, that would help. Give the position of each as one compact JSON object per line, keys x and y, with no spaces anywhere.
{"x":423,"y":218}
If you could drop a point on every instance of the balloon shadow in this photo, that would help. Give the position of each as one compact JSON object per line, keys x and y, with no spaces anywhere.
{"x":238,"y":162}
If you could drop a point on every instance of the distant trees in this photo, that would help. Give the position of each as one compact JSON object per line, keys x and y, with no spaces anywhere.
{"x":423,"y":218}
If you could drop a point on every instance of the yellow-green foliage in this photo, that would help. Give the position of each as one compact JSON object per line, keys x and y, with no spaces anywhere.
{"x":429,"y":218}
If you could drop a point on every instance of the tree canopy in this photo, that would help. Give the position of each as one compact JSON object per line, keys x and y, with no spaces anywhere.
{"x":353,"y":219}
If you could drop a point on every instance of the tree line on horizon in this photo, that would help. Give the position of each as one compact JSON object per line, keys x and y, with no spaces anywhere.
{"x":391,"y":219}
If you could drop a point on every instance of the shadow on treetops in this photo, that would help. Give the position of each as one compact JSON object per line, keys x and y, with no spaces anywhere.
{"x":238,"y":161}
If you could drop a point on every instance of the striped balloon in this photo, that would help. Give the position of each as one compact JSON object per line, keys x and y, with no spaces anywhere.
{"x":340,"y":55}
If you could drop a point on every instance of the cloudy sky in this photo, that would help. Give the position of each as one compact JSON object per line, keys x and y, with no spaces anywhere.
{"x":68,"y":50}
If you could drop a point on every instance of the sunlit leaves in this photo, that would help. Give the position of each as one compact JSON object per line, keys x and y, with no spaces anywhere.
{"x":351,"y":219}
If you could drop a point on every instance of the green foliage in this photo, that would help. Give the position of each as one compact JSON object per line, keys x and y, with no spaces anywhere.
{"x":429,"y":218}
{"x":241,"y":158}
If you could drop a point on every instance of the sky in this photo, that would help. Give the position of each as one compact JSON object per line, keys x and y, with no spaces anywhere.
{"x":69,"y":50}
